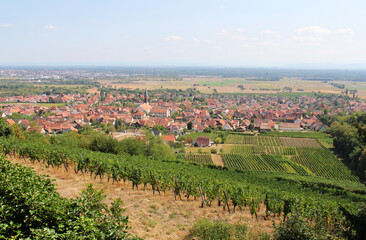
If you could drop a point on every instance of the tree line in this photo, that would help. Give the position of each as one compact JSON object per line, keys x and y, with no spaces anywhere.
{"x":349,"y":139}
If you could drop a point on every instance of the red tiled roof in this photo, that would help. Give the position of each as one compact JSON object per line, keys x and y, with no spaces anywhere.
{"x":169,"y":138}
{"x":10,"y":121}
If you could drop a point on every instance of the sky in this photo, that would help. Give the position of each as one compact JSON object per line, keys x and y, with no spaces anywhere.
{"x":262,"y":33}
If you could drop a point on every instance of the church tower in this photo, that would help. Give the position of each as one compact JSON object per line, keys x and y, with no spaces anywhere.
{"x":146,"y":97}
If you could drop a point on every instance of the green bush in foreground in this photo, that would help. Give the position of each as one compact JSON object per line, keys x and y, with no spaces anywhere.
{"x":217,"y":230}
{"x":309,"y":225}
{"x":30,"y":208}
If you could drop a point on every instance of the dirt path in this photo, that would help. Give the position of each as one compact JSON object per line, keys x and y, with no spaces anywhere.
{"x":151,"y":216}
{"x":217,"y":160}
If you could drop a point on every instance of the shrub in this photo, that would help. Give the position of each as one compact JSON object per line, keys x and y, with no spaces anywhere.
{"x":217,"y":230}
{"x":218,"y":140}
{"x":212,"y":230}
{"x":300,"y":224}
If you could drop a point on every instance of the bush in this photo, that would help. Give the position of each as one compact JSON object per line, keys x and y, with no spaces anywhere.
{"x":32,"y":209}
{"x":214,"y":151}
{"x":218,"y":140}
{"x":300,"y":224}
{"x":212,"y":230}
{"x":240,"y":231}
{"x":104,"y":143}
{"x":217,"y":230}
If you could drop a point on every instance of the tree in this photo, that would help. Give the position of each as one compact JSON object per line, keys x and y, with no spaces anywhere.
{"x":160,"y":128}
{"x":104,"y":143}
{"x":118,"y":124}
{"x":175,"y":115}
{"x":85,"y":129}
{"x":218,"y":140}
{"x":361,"y":166}
{"x":133,"y":146}
{"x":4,"y":128}
{"x":207,"y":130}
{"x":241,"y":87}
{"x":159,"y":150}
{"x":16,"y":131}
{"x":182,"y":106}
{"x":189,"y":125}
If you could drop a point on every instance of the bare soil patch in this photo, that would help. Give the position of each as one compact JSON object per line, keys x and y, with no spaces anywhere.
{"x":217,"y":160}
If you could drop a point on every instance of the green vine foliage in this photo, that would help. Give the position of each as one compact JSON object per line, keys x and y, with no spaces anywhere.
{"x":30,"y":208}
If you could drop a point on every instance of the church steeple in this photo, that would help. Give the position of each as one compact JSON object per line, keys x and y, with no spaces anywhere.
{"x":146,"y":97}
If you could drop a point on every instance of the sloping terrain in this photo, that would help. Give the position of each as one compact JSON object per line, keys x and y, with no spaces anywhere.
{"x":151,"y":216}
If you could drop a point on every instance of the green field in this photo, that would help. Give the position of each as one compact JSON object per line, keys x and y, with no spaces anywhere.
{"x":301,"y":156}
{"x":194,"y":135}
{"x":200,"y":158}
{"x":316,"y":135}
{"x":223,"y":82}
{"x":36,"y":104}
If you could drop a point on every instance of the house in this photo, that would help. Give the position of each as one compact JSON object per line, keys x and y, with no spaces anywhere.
{"x":245,"y":123}
{"x":144,"y":107}
{"x":319,"y":126}
{"x":199,"y":128}
{"x":38,"y":129}
{"x":265,"y":127}
{"x":241,"y":129}
{"x":54,"y":109}
{"x":139,"y":114}
{"x":258,"y":122}
{"x":10,"y":121}
{"x":156,"y":133}
{"x":202,"y":141}
{"x":290,"y":126}
{"x":177,"y":127}
{"x":160,"y":112}
{"x":169,"y":138}
{"x":227,"y":126}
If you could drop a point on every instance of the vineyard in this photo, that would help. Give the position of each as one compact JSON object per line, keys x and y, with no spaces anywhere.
{"x":200,"y":158}
{"x":301,"y":156}
{"x":278,"y":193}
{"x":272,"y":141}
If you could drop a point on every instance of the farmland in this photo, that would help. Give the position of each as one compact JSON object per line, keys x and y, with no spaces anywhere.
{"x":270,"y":175}
{"x":230,"y":85}
{"x":301,"y":156}
{"x":201,"y":158}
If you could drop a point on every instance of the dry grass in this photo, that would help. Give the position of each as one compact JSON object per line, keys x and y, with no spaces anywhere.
{"x":93,"y":90}
{"x":217,"y":160}
{"x":151,"y":216}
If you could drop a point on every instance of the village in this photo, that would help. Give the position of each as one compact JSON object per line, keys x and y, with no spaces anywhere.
{"x":200,"y":113}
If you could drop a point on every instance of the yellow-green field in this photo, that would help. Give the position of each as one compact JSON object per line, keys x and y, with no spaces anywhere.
{"x":230,"y":85}
{"x":197,"y":149}
{"x":36,"y":104}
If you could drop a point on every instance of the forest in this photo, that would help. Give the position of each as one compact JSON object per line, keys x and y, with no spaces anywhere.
{"x":349,"y":139}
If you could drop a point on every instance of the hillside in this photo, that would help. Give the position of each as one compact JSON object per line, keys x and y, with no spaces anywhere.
{"x":262,"y":194}
{"x":151,"y":216}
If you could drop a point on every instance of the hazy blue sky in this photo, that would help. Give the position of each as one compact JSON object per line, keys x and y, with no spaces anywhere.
{"x":172,"y":32}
